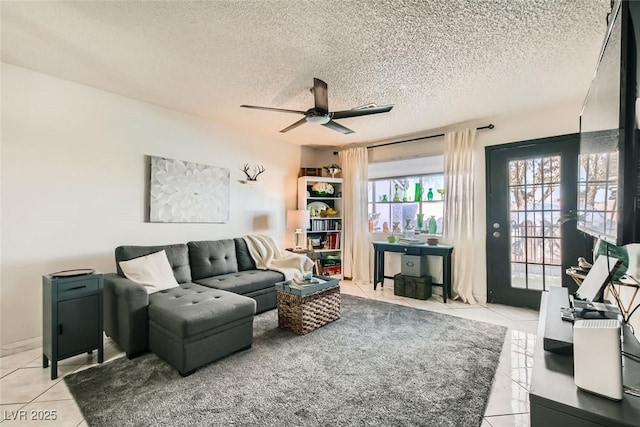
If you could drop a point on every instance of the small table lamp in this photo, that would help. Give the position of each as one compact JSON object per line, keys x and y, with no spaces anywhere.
{"x":299,"y":221}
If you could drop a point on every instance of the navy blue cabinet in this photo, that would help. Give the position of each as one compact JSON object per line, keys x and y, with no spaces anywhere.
{"x":71,"y":318}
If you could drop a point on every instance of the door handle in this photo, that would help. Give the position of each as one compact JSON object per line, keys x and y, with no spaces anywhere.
{"x":496,"y":234}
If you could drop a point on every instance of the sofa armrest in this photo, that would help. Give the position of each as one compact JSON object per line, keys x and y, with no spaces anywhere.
{"x":126,"y":314}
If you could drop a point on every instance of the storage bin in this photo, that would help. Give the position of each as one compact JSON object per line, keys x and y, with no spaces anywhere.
{"x":398,"y":285}
{"x":414,"y":265}
{"x":305,"y":313}
{"x":412,"y":287}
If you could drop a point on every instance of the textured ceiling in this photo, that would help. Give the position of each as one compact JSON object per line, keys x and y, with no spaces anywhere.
{"x":440,"y":62}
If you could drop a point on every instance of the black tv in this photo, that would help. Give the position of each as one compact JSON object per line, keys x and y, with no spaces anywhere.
{"x":608,"y":191}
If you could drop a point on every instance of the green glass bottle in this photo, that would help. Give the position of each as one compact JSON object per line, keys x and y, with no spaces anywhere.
{"x":417,"y":196}
{"x":430,"y":194}
{"x":433,"y":225}
{"x":396,"y":195}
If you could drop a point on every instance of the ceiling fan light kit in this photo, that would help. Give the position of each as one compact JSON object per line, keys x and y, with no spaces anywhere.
{"x":320,"y":114}
{"x":318,"y":120}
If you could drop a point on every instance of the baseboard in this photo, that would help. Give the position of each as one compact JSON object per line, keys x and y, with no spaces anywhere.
{"x":24,"y":345}
{"x":20,"y":346}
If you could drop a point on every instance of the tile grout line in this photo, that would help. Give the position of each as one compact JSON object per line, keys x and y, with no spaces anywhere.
{"x":485,"y":419}
{"x":61,"y":379}
{"x":56,"y":381}
{"x":506,"y":415}
{"x":513,"y":320}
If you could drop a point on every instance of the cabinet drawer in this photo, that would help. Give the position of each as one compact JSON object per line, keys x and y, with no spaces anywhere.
{"x":411,"y":251}
{"x":78,"y":287}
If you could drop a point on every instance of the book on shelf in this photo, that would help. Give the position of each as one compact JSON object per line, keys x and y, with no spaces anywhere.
{"x":331,"y":270}
{"x":329,"y":266}
{"x":325,"y":224}
{"x":333,"y":241}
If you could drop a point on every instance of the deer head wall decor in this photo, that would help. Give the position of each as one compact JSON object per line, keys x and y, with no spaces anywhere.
{"x":257,"y":170}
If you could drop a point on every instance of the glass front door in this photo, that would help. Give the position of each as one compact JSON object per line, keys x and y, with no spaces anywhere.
{"x":535,"y":195}
{"x":530,"y":185}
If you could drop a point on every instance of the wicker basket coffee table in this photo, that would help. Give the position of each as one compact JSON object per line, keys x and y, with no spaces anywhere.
{"x":305,"y":313}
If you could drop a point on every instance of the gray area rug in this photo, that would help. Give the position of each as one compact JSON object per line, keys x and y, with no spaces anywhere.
{"x":379,"y":365}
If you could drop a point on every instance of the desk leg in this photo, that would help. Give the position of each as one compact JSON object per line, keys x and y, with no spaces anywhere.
{"x":446,"y":277}
{"x":378,"y":268}
{"x":375,"y":268}
{"x":381,"y":264}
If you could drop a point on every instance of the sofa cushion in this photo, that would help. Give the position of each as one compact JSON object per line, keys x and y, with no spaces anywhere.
{"x":153,"y":271}
{"x":243,"y":282}
{"x":178,"y":256}
{"x":191,"y":309}
{"x":245,"y":261}
{"x":212,"y":258}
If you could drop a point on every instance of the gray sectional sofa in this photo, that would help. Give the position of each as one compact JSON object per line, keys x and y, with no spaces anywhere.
{"x":217,"y":277}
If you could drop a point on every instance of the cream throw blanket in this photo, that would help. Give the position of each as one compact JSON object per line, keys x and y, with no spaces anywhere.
{"x":268,"y":256}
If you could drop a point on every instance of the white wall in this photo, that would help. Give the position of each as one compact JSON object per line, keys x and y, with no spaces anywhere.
{"x":317,"y":157}
{"x":74,"y":174}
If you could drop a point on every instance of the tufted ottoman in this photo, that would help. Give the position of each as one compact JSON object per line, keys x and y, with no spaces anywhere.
{"x":192,"y":325}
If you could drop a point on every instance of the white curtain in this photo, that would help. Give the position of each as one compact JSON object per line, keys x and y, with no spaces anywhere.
{"x":458,"y":209}
{"x":355,"y":248}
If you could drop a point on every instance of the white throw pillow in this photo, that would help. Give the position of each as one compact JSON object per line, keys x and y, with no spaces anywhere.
{"x":153,"y":271}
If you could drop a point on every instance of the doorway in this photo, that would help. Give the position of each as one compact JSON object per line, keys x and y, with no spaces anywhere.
{"x":531,"y":186}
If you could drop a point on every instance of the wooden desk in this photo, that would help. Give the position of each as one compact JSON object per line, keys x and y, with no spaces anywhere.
{"x":443,"y":251}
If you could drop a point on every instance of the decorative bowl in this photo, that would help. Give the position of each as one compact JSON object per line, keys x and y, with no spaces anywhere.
{"x":433,"y":241}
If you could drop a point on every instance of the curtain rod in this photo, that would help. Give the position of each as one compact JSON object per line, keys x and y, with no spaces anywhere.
{"x":489,"y":126}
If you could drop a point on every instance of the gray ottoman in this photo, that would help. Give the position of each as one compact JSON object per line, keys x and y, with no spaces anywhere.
{"x":192,"y":325}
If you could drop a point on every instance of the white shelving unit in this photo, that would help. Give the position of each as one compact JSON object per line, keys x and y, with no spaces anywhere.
{"x":324,"y":232}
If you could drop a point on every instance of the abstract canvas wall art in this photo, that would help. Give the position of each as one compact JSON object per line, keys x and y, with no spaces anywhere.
{"x":182,"y":191}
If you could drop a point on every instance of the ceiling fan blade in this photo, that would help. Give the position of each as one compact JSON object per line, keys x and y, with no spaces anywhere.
{"x":320,"y":95}
{"x":361,"y":112}
{"x":295,"y":125}
{"x":281,"y":110}
{"x":338,"y":127}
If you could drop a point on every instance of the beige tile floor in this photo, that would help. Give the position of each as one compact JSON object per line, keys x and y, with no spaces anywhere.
{"x":26,"y":389}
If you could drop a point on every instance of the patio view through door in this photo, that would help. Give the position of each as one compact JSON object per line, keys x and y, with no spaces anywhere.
{"x":530,"y":185}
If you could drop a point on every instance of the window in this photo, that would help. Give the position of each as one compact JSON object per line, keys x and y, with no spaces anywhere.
{"x":394,"y":203}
